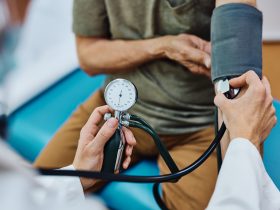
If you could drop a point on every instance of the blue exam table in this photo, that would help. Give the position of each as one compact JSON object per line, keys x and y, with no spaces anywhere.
{"x":33,"y":125}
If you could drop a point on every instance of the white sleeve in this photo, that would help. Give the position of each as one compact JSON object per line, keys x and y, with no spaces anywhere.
{"x":243,"y":182}
{"x":64,"y":193}
{"x":67,"y":188}
{"x":21,"y":188}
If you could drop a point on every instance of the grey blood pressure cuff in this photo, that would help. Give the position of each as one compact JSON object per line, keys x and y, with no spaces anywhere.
{"x":236,"y":37}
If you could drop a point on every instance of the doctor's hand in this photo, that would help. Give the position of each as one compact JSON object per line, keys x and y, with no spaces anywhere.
{"x":190,"y":51}
{"x":252,"y":114}
{"x":89,"y":154}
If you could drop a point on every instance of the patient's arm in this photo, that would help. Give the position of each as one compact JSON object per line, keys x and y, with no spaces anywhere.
{"x":226,"y":138}
{"x":249,"y":2}
{"x":103,"y":55}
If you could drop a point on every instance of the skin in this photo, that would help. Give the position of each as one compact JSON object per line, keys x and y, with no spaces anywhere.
{"x":118,"y":56}
{"x":249,"y":2}
{"x":252,"y":114}
{"x":89,"y":154}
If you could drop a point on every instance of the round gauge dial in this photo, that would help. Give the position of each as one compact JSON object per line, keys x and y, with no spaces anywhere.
{"x":120,"y":94}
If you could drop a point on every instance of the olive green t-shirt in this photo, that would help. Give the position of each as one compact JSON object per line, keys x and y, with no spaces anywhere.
{"x":171,"y":98}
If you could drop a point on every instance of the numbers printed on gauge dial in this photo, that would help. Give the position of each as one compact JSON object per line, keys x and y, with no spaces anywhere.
{"x":120,"y":94}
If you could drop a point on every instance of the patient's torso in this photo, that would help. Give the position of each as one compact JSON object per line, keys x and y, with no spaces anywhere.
{"x":171,"y":99}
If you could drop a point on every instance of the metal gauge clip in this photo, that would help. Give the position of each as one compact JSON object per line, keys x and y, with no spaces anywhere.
{"x":223,"y":86}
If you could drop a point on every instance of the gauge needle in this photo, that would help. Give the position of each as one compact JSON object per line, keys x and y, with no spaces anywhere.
{"x":120,"y":97}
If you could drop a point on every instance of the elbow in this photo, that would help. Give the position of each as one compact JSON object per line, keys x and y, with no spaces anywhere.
{"x":87,"y":63}
{"x":88,"y":69}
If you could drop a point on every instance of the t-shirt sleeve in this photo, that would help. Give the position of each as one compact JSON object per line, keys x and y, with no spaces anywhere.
{"x":90,"y":18}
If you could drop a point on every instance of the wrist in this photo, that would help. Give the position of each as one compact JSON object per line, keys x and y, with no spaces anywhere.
{"x":157,"y":47}
{"x":86,"y":183}
{"x":254,"y":139}
{"x":248,"y":2}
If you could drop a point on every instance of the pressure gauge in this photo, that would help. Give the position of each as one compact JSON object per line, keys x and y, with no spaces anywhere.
{"x":120,"y":95}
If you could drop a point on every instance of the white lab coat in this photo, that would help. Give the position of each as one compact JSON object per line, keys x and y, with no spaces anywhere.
{"x":243,"y":184}
{"x":22,"y":189}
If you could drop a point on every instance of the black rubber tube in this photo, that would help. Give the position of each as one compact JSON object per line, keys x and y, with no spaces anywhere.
{"x":162,"y":149}
{"x":219,"y":149}
{"x":140,"y":179}
{"x":157,"y":197}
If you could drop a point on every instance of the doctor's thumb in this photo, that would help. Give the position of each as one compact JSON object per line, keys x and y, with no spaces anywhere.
{"x":106,"y":132}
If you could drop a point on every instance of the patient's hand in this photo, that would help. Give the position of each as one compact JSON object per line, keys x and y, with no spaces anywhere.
{"x":89,"y":154}
{"x":252,"y":115}
{"x":190,"y":51}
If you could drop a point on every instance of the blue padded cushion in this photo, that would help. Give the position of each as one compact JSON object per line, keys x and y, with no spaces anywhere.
{"x":122,"y":195}
{"x":33,"y":125}
{"x":272,"y":150}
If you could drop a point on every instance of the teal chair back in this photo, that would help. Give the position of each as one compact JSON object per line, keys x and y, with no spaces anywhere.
{"x":272,"y":150}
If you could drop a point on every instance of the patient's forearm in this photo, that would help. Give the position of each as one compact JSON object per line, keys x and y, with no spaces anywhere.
{"x":100,"y":55}
{"x":249,"y":2}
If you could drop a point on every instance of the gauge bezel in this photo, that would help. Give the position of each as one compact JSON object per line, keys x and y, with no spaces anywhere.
{"x":114,"y":82}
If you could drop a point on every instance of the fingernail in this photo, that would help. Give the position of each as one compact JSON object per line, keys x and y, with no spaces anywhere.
{"x":112,"y":122}
{"x":208,"y":63}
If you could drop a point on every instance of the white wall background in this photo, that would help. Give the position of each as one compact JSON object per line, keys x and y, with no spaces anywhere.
{"x":271,"y":14}
{"x":46,"y":51}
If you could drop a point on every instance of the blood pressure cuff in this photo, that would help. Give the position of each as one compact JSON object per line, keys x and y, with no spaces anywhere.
{"x":236,"y":37}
